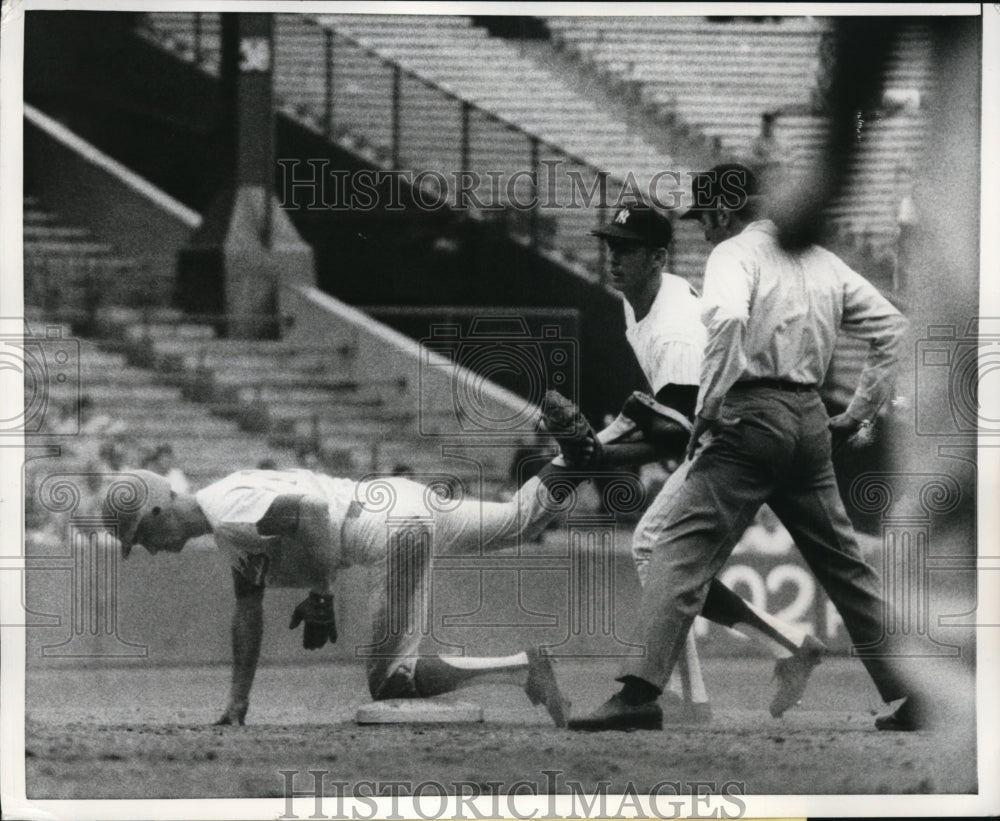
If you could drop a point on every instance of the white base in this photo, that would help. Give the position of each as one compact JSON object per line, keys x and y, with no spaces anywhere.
{"x":418,"y":711}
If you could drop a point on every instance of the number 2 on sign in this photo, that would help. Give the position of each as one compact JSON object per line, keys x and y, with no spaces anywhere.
{"x":799,"y":611}
{"x":800,"y":607}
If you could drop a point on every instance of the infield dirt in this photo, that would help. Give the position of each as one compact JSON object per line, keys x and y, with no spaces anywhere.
{"x":146,"y":733}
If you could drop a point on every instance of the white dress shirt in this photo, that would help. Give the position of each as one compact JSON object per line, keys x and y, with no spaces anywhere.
{"x":775,"y":314}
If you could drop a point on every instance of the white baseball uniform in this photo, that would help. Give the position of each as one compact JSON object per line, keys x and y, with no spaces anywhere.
{"x":392,"y":525}
{"x":668,"y":343}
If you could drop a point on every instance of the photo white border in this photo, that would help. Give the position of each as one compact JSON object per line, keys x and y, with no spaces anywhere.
{"x":12,"y":645}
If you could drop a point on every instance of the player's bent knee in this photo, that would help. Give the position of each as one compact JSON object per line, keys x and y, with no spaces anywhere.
{"x":398,"y":684}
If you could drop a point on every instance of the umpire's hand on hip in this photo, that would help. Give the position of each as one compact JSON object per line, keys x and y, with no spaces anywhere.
{"x":320,"y":624}
{"x":856,"y":433}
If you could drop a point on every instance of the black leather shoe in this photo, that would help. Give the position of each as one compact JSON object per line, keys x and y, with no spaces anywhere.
{"x":615,"y":714}
{"x":910,"y":715}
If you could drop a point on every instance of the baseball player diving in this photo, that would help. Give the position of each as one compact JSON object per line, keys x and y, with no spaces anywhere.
{"x":296,"y":528}
{"x":772,"y":317}
{"x":664,"y":329}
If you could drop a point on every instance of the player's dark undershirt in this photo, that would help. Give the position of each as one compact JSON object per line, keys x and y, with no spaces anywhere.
{"x":683,"y":398}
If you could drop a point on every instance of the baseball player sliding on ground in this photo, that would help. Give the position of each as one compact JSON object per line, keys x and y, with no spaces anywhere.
{"x":664,"y":329}
{"x":299,"y":529}
{"x":296,"y":528}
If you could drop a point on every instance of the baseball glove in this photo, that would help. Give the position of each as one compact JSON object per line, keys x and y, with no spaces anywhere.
{"x":661,"y":425}
{"x":577,"y":440}
{"x":320,"y":625}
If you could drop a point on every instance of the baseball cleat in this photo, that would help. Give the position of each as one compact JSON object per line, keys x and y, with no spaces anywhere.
{"x":577,"y":440}
{"x":542,"y":687}
{"x":615,"y":714}
{"x":793,"y":674}
{"x":909,"y":715}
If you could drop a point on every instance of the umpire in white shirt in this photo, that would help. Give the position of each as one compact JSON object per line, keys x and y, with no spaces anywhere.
{"x":772,"y":318}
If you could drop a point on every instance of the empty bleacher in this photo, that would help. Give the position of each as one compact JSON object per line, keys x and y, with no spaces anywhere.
{"x":889,"y":145}
{"x":721,"y":77}
{"x":337,"y":73}
{"x":718,"y":77}
{"x":152,"y":375}
{"x":66,"y":266}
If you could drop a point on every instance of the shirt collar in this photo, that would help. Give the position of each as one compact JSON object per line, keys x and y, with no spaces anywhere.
{"x":765,"y":225}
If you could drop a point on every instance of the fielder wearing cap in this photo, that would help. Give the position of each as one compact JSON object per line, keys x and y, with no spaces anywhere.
{"x":297,"y":528}
{"x":638,"y":223}
{"x":771,"y":317}
{"x":148,"y":512}
{"x":663,"y":326}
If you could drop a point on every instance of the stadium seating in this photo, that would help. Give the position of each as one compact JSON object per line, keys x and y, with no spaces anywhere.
{"x":716,"y":77}
{"x":720,"y":77}
{"x":66,"y":266}
{"x":153,"y":376}
{"x":519,"y":112}
{"x":889,"y":148}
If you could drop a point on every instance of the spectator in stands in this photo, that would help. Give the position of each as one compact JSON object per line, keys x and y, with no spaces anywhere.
{"x":161,"y":461}
{"x":117,"y":454}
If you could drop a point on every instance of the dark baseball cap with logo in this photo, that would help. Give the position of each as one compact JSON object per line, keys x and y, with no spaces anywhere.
{"x":638,"y":223}
{"x":727,"y":185}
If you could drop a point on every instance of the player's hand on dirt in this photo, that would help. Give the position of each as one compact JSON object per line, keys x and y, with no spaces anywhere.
{"x":320,"y":624}
{"x":701,"y":427}
{"x":235,"y":715}
{"x":856,"y":433}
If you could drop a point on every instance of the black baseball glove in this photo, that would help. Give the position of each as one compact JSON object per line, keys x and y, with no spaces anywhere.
{"x":662,"y":426}
{"x":320,"y":624}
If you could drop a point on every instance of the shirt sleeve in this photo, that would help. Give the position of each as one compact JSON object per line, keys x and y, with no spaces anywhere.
{"x":725,"y":310}
{"x":870,"y":316}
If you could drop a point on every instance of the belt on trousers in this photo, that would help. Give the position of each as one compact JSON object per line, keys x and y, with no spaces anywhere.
{"x":776,"y":384}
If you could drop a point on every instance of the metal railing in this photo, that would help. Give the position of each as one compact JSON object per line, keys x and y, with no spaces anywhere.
{"x":545,"y":197}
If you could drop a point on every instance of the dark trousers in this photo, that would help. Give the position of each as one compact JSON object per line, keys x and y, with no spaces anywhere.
{"x":772,"y":447}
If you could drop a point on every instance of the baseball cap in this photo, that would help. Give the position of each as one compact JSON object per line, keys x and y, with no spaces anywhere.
{"x":638,"y":222}
{"x":727,"y":184}
{"x":129,"y":499}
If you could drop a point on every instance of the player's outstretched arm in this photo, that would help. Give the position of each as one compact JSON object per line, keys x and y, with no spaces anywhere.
{"x":247,"y":631}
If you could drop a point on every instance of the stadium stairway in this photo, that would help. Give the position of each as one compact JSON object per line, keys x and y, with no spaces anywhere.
{"x":65,"y":265}
{"x":154,"y":375}
{"x":307,"y":398}
{"x":889,"y":155}
{"x":721,"y":77}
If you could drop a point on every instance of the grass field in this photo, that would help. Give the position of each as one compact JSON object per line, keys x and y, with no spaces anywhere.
{"x":146,"y":733}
